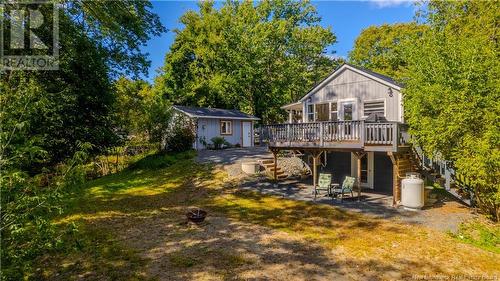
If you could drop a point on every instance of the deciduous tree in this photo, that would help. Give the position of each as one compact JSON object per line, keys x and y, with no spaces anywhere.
{"x":381,"y":48}
{"x":453,"y":90}
{"x":250,"y":56}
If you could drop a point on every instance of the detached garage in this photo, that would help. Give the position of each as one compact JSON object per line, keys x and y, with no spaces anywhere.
{"x":234,"y":126}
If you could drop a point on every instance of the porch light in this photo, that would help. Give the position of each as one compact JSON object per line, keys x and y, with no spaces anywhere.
{"x":389,"y":91}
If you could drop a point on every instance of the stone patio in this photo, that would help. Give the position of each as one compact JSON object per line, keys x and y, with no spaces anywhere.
{"x":372,"y":203}
{"x":445,"y":215}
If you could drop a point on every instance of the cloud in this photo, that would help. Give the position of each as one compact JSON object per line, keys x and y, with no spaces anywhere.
{"x":390,"y":3}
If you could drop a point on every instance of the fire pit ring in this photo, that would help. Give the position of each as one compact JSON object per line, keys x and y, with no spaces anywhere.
{"x":196,"y":215}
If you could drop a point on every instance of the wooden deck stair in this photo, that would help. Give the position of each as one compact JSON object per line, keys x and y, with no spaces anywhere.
{"x":406,"y":162}
{"x":269,"y":168}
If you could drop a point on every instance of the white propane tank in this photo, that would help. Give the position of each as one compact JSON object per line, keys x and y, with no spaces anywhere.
{"x":412,"y":193}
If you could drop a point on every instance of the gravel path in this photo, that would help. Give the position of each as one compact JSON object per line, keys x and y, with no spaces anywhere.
{"x":233,"y":155}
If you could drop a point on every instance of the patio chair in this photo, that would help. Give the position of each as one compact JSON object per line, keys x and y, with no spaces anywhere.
{"x":324,"y":184}
{"x":347,"y":187}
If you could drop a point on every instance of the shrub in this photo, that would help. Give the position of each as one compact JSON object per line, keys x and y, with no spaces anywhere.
{"x":180,"y":136}
{"x":218,"y":142}
{"x":28,"y":205}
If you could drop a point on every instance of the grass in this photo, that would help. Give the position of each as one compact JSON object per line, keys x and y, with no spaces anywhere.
{"x":133,"y":228}
{"x":480,"y":233}
{"x":97,"y":256}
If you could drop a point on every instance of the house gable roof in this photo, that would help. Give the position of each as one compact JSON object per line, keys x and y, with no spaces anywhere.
{"x":386,"y":80}
{"x":205,"y":112}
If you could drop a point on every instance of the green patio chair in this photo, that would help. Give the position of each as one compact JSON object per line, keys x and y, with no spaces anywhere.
{"x":324,"y":183}
{"x":347,"y":187}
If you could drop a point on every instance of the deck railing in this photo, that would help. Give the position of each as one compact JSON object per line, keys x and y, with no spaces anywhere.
{"x":321,"y":133}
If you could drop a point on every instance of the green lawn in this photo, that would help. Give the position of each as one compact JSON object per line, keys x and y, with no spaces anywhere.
{"x":132,"y":227}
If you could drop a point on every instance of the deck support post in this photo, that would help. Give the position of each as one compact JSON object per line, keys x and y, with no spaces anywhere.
{"x":316,"y":154}
{"x":359,"y":156}
{"x":275,"y":167}
{"x":396,"y":186}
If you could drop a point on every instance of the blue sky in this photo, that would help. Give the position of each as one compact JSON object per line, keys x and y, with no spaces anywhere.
{"x":347,"y":19}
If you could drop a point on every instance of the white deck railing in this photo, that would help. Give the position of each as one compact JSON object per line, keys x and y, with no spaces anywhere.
{"x":323,"y":133}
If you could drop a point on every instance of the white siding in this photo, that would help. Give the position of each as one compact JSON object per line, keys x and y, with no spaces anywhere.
{"x":209,"y":128}
{"x":352,"y":85}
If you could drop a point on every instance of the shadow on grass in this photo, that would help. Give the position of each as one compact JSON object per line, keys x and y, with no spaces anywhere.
{"x":143,"y":209}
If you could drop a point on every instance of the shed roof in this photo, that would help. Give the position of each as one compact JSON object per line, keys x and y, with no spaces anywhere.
{"x":205,"y":112}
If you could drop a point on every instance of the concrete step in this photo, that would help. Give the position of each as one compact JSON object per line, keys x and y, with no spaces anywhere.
{"x":272,"y":169}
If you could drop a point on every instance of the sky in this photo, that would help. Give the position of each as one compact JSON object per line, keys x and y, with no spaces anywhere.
{"x":346,"y":18}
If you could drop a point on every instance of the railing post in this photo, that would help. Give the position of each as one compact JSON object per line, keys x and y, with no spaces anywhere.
{"x":321,"y":133}
{"x":288,"y":133}
{"x":395,"y":136}
{"x":362,"y":133}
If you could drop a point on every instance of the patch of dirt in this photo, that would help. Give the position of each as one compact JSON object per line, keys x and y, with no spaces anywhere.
{"x":222,"y":249}
{"x":446,"y":215}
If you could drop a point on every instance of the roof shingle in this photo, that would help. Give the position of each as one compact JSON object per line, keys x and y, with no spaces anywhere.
{"x":214,"y":112}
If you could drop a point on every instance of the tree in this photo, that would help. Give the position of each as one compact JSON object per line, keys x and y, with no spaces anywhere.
{"x":156,"y":118}
{"x":452,"y":92}
{"x":381,"y":48}
{"x":250,"y":56}
{"x":129,"y":109}
{"x":120,"y":28}
{"x":98,"y":40}
{"x":50,"y":120}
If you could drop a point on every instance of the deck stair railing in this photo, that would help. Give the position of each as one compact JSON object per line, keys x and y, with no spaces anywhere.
{"x":432,"y":166}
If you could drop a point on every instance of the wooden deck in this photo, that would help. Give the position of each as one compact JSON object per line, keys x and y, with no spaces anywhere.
{"x":337,"y":135}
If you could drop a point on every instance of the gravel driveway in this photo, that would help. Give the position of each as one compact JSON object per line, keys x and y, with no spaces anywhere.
{"x":233,"y":155}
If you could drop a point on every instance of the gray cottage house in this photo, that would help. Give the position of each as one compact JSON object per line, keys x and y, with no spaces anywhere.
{"x":350,"y":124}
{"x":234,"y":126}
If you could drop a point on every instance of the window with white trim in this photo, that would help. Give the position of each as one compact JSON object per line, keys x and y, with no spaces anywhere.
{"x":371,"y":107}
{"x":226,"y":127}
{"x":310,"y":113}
{"x":334,"y":113}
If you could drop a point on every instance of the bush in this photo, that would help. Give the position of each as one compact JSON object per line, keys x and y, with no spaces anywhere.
{"x":220,"y":142}
{"x":28,"y":205}
{"x":180,"y":136}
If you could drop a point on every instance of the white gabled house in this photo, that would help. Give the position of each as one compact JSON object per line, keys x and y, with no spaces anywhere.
{"x":352,"y":123}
